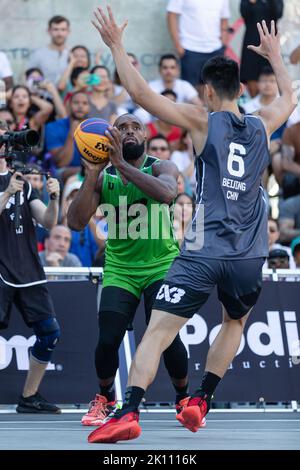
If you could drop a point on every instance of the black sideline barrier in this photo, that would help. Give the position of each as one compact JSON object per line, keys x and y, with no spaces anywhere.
{"x":267,"y":366}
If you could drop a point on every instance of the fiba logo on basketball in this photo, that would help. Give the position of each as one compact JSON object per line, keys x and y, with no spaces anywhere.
{"x":90,"y":140}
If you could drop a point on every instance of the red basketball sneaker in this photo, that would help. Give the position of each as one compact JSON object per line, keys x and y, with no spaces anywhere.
{"x":116,"y":429}
{"x":193,"y":414}
{"x":98,"y":412}
{"x":181,"y":405}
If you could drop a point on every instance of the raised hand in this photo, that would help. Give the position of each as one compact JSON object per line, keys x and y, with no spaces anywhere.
{"x":115,"y":146}
{"x":16,"y":184}
{"x":269,"y":41}
{"x":53,"y":187}
{"x":110,"y":32}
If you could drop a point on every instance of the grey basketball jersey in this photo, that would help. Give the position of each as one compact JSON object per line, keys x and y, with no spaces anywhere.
{"x":231,"y":217}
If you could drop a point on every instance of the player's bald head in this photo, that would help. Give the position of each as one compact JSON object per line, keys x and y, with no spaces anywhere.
{"x":128,"y":118}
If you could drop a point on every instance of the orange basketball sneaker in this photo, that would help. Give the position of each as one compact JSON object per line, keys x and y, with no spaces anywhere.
{"x":98,"y":412}
{"x":193,"y":414}
{"x":179,"y":409}
{"x":116,"y":429}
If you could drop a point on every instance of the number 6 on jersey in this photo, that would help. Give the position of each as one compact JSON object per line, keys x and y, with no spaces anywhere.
{"x":233,"y":158}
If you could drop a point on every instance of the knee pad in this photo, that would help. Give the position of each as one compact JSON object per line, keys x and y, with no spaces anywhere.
{"x":47,"y":335}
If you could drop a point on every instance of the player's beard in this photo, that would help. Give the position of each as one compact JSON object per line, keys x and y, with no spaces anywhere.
{"x":133,"y":151}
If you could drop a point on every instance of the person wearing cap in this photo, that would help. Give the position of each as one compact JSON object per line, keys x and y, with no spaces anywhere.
{"x":295,"y":247}
{"x":273,"y":237}
{"x":278,"y":259}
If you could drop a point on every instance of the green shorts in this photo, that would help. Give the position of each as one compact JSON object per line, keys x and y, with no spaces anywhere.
{"x":134,"y":279}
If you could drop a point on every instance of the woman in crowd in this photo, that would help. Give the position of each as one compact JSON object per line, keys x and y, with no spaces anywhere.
{"x":101,"y":106}
{"x":183,"y":211}
{"x":21,"y":105}
{"x":79,"y":57}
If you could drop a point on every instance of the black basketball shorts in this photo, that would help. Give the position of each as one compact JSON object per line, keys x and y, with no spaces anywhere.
{"x":34,"y":303}
{"x":189,"y":283}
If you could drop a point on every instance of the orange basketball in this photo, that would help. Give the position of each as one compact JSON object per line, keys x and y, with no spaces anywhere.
{"x":91,"y":141}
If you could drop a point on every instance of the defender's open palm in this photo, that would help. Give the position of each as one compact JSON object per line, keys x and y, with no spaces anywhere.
{"x":110,"y":32}
{"x":269,"y":41}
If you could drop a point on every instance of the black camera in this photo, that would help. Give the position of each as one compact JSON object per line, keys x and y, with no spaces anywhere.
{"x":27,"y":138}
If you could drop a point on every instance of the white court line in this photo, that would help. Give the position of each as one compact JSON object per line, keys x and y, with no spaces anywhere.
{"x":165,"y":421}
{"x":85,"y":410}
{"x":155,"y":430}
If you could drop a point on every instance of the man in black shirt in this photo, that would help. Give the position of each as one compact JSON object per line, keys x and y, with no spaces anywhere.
{"x":22,"y":278}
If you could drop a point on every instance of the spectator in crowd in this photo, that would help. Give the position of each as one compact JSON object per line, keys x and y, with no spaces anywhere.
{"x":295,"y":56}
{"x":100,"y":106}
{"x":79,"y":82}
{"x":289,"y":219}
{"x":267,"y":91}
{"x":184,"y":159}
{"x":159,"y":127}
{"x":59,"y":135}
{"x":278,"y":259}
{"x":289,"y":170}
{"x":274,"y":235}
{"x":181,"y":184}
{"x":46,"y":90}
{"x":21,"y":105}
{"x":84,"y":244}
{"x":169,"y":80}
{"x":199,"y":31}
{"x":7,"y":116}
{"x":79,"y":57}
{"x":254,"y":11}
{"x":53,"y":59}
{"x":159,"y":147}
{"x":295,"y":247}
{"x":6,"y":73}
{"x":57,"y":247}
{"x":183,"y":211}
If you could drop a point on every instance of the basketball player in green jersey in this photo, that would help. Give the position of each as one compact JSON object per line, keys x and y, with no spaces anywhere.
{"x":139,"y":250}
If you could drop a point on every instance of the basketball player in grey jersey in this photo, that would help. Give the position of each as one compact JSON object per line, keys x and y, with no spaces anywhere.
{"x":232,"y":153}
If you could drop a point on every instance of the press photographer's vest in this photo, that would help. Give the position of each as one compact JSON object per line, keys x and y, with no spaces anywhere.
{"x":19,"y":260}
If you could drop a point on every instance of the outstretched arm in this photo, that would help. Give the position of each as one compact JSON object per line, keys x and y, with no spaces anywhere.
{"x":187,"y":116}
{"x":277,"y":113}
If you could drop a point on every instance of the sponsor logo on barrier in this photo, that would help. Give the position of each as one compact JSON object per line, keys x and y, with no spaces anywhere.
{"x":277,"y":336}
{"x":20,"y":346}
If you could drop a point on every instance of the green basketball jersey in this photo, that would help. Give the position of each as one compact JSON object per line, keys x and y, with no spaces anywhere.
{"x":140,"y":229}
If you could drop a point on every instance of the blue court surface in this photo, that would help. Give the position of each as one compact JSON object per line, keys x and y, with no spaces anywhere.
{"x":253,"y":430}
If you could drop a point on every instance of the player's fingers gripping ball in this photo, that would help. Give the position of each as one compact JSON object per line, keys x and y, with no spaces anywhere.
{"x":91,"y":141}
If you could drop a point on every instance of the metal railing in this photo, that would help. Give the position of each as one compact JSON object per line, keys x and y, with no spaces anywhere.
{"x":74,"y":272}
{"x":268,"y":274}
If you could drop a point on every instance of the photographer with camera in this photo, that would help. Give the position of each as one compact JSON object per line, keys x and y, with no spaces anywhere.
{"x":22,"y":278}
